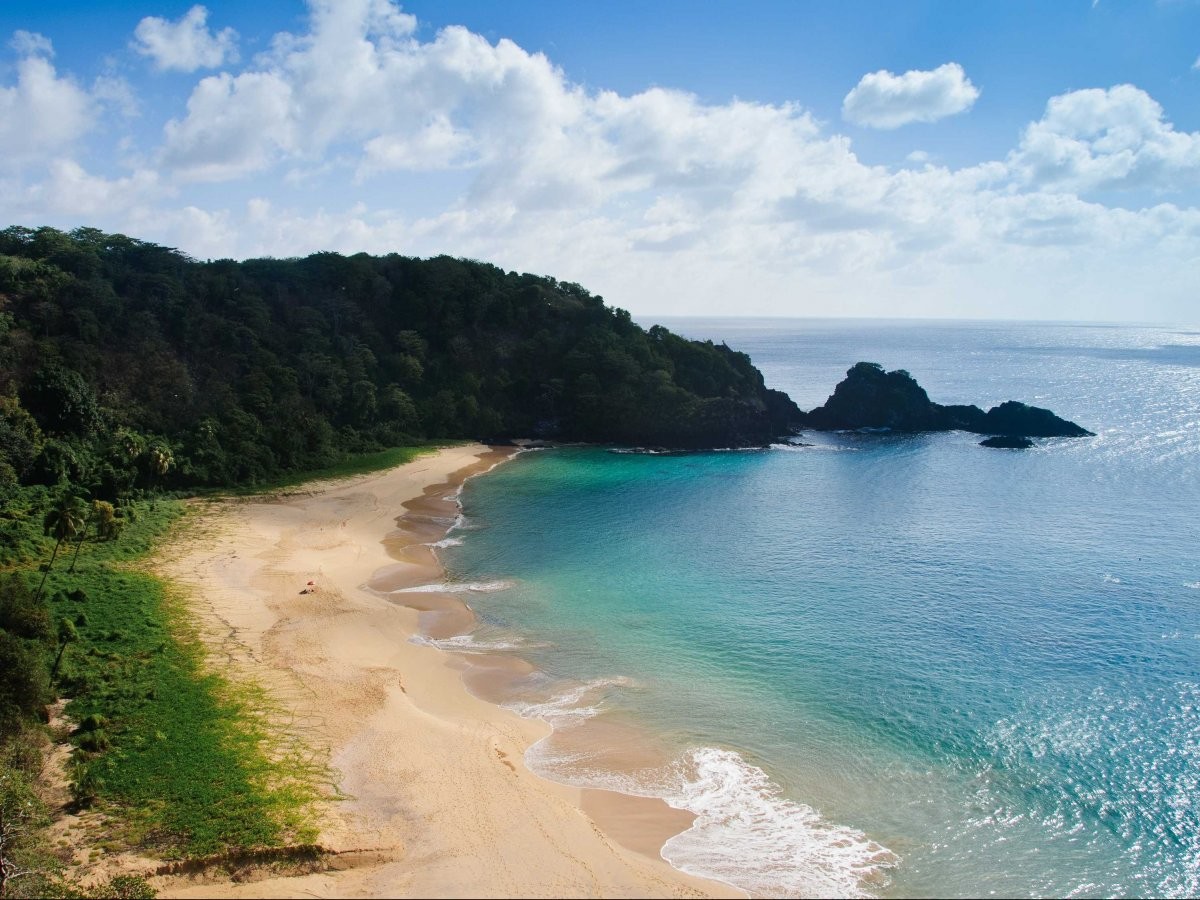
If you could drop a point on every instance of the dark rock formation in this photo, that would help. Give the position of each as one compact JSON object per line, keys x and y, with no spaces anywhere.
{"x":1012,"y":417}
{"x":872,"y":398}
{"x":1007,"y":442}
{"x":869,"y":397}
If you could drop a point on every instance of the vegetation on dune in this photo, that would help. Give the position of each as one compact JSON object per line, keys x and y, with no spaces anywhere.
{"x":181,"y":761}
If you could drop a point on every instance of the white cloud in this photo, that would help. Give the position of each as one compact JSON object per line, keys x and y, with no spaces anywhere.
{"x":69,"y":189}
{"x":884,"y":100}
{"x":661,"y":202}
{"x":1116,"y":138}
{"x":30,"y":43}
{"x":41,"y":112}
{"x":437,"y":145}
{"x":626,"y":192}
{"x":185,"y":45}
{"x":117,"y":93}
{"x":234,"y":126}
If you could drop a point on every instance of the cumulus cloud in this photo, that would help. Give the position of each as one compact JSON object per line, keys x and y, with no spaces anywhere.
{"x":437,"y":145}
{"x":234,"y":126}
{"x":41,"y":112}
{"x":656,"y":199}
{"x":885,"y":100}
{"x":185,"y":45}
{"x":359,"y":84}
{"x":30,"y":43}
{"x":68,"y":188}
{"x":1116,"y":138}
{"x":624,"y":191}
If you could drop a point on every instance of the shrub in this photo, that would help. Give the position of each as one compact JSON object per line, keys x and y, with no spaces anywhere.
{"x":94,"y":722}
{"x":24,"y":681}
{"x":126,"y":887}
{"x":85,"y":784}
{"x":95,"y":741}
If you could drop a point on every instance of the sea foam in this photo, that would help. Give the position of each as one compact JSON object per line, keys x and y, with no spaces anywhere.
{"x":750,"y":836}
{"x":456,"y":587}
{"x":746,"y":833}
{"x":465,"y":643}
{"x":567,"y":707}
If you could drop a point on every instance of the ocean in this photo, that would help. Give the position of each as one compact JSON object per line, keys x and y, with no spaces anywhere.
{"x":883,"y":665}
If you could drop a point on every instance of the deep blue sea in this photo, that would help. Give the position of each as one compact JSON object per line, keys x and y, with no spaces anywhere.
{"x":892,"y":665}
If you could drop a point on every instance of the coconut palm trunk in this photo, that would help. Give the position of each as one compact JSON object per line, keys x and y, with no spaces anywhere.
{"x":78,"y":545}
{"x":64,"y":520}
{"x":53,"y":556}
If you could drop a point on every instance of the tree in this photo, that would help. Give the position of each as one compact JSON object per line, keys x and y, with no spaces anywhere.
{"x":159,"y":460}
{"x":104,"y":518}
{"x":87,"y":520}
{"x":21,"y":815}
{"x":108,"y":526}
{"x":66,"y":635}
{"x":24,"y":681}
{"x":20,"y":614}
{"x":64,"y":520}
{"x":61,"y":400}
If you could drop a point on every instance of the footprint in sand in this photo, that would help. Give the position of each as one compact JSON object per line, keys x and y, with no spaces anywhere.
{"x":504,"y":759}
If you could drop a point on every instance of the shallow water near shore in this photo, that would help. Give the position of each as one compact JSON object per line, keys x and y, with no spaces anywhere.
{"x":882,"y":664}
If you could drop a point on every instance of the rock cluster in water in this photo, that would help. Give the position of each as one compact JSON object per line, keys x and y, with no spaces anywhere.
{"x":869,"y":397}
{"x":1007,"y":442}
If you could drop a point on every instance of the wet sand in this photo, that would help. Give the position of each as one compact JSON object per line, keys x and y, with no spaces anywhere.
{"x":436,"y":791}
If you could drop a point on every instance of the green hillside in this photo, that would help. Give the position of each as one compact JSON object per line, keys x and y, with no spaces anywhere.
{"x":130,"y":366}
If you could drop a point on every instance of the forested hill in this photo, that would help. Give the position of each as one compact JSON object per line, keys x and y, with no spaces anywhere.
{"x":126,"y":364}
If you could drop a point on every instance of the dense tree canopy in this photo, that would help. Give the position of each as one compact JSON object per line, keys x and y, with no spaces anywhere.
{"x":127,"y":365}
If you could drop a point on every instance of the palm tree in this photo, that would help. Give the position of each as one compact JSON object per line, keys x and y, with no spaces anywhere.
{"x":161,"y":460}
{"x":100,"y":514}
{"x":87,"y":520}
{"x":66,"y":635}
{"x":64,"y":520}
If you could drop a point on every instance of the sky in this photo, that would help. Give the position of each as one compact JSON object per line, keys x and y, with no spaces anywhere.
{"x":990,"y":159}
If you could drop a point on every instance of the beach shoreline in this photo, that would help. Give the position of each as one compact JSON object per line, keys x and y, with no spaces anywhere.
{"x":435,"y":791}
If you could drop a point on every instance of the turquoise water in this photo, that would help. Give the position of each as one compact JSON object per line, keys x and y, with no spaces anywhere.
{"x":889,"y":665}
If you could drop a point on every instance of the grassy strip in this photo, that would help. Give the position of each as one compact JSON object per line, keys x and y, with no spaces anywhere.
{"x":186,"y":763}
{"x":185,"y":759}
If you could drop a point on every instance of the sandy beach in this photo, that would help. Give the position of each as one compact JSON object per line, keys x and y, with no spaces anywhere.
{"x":437,"y":800}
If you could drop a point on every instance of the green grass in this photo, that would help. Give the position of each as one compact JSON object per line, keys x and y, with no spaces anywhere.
{"x":21,"y":539}
{"x":183,"y":762}
{"x":186,"y":761}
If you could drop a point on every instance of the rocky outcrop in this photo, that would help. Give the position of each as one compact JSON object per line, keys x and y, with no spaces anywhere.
{"x":1012,"y":417}
{"x":1007,"y":442}
{"x":871,"y":398}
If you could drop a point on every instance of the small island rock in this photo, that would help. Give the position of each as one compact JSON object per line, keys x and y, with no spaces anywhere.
{"x":869,"y":397}
{"x":1007,"y":442}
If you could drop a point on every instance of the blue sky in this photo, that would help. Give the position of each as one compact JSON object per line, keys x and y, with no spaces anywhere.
{"x":1006,"y":159}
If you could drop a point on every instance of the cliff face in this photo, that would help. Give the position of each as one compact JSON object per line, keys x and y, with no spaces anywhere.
{"x":869,"y":397}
